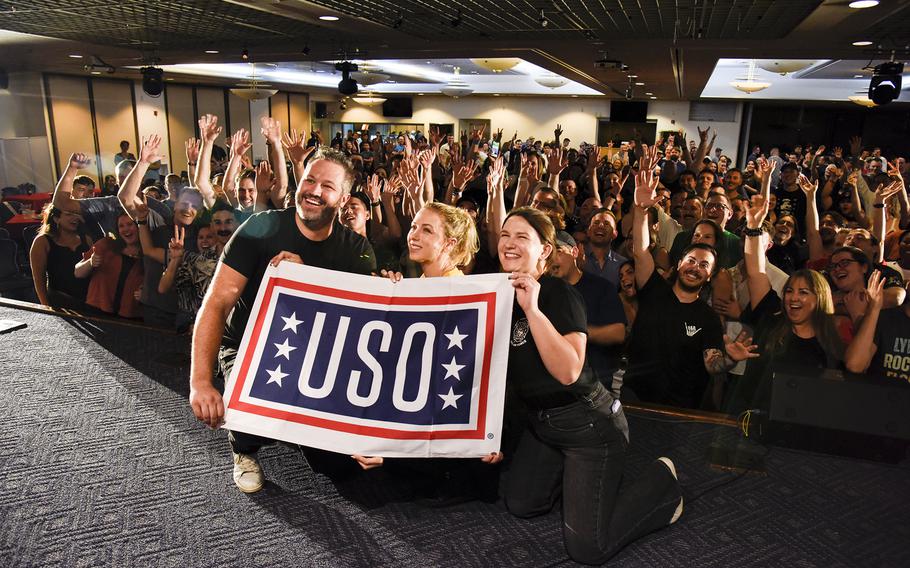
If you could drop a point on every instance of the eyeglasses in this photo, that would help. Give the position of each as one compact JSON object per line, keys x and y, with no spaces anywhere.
{"x":841,"y":264}
{"x":704,"y":265}
{"x":710,"y":206}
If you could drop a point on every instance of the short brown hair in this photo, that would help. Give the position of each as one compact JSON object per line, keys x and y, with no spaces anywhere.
{"x":541,"y":224}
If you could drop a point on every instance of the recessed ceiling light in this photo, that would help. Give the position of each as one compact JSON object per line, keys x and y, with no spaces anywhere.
{"x":211,"y":51}
{"x":633,"y":76}
{"x":857,"y":76}
{"x":429,"y":62}
{"x":653,"y":98}
{"x":860,"y":4}
{"x":320,"y":70}
{"x":96,"y":72}
{"x":649,"y":94}
{"x":640,"y":84}
{"x":75,"y":56}
{"x":863,"y":43}
{"x":574,"y":96}
{"x":495,"y":94}
{"x":419,"y":94}
{"x":329,"y":18}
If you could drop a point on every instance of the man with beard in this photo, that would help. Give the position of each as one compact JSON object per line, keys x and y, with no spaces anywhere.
{"x":600,"y":258}
{"x":677,"y":340}
{"x":790,"y":198}
{"x":691,"y":210}
{"x":786,"y":252}
{"x":606,"y":318}
{"x":306,"y":234}
{"x":729,"y":246}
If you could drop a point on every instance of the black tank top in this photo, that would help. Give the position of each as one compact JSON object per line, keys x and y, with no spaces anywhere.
{"x":61,"y":261}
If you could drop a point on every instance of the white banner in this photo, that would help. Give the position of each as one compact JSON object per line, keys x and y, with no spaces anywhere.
{"x":359,"y":364}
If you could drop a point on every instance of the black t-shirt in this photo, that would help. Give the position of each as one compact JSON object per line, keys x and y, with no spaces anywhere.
{"x":527,"y":374}
{"x":603,"y":307}
{"x":266,"y":234}
{"x":667,"y":344}
{"x":789,"y":257}
{"x":892,"y":338}
{"x":792,"y":203}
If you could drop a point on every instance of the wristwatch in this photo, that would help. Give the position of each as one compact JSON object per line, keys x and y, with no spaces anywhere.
{"x":752,"y":232}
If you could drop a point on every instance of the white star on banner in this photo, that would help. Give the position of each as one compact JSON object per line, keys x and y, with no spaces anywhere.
{"x":449,"y":399}
{"x":284,"y":349}
{"x":276,"y":376}
{"x":452,"y":369}
{"x":455,"y":338}
{"x":291,"y":322}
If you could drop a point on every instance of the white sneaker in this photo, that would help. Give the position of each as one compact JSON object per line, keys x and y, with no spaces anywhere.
{"x":247,"y":473}
{"x":679,"y":508}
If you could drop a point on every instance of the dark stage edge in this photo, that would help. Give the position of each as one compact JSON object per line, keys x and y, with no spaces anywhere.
{"x":103,"y":464}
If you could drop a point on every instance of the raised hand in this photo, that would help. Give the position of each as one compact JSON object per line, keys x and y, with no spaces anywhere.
{"x":889,"y":191}
{"x":593,"y":153}
{"x":838,"y":152}
{"x":874,"y":295}
{"x":820,"y":150}
{"x":427,"y":157}
{"x":374,"y":187}
{"x":208,"y":128}
{"x":740,"y":348}
{"x":149,"y":152}
{"x":498,"y":136}
{"x":808,"y":187}
{"x":295,"y":145}
{"x":192,"y":147}
{"x":556,"y":161}
{"x":239,"y":143}
{"x":765,"y":168}
{"x":263,"y":176}
{"x":557,"y":133}
{"x":79,"y":161}
{"x":463,"y":174}
{"x":271,"y":129}
{"x":645,"y":180}
{"x":175,"y":246}
{"x":496,"y":175}
{"x":756,"y":211}
{"x":856,"y":145}
{"x":703,"y":134}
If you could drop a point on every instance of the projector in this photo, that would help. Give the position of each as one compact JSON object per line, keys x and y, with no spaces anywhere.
{"x":610,"y":64}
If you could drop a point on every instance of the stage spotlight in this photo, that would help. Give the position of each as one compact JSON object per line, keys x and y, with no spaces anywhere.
{"x":886,"y":82}
{"x":245,"y":54}
{"x":346,"y":86}
{"x":544,"y":22}
{"x":152,"y":81}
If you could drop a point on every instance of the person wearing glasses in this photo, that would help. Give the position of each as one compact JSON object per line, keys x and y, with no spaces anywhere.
{"x":797,"y":332}
{"x":727,"y":244}
{"x":677,"y":341}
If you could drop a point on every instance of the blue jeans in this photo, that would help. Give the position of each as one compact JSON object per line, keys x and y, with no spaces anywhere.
{"x":578,"y":451}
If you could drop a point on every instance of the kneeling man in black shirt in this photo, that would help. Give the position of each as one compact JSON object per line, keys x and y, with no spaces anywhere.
{"x":308,"y":234}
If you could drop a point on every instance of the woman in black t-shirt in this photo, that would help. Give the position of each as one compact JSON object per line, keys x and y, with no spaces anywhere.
{"x":798,"y":333}
{"x":577,"y":434}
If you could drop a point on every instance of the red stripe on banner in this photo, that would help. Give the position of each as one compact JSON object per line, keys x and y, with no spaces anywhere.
{"x":390,"y":433}
{"x":251,"y":349}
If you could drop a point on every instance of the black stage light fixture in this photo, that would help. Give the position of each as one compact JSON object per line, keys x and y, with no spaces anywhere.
{"x":886,"y":82}
{"x":152,"y":81}
{"x":346,"y":86}
{"x":456,"y":21}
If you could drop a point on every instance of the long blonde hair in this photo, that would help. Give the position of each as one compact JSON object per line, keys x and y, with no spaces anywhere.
{"x":457,"y":225}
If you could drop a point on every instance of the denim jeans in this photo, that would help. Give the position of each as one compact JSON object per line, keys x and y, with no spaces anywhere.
{"x":578,"y":451}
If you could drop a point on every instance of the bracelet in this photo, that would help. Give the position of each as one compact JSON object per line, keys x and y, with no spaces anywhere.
{"x":191,"y":163}
{"x":753,"y":232}
{"x":878,"y":205}
{"x":375,"y":203}
{"x":142,"y":221}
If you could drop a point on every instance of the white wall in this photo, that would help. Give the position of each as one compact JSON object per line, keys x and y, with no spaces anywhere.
{"x":152,"y":119}
{"x":25,"y":155}
{"x":537,"y":116}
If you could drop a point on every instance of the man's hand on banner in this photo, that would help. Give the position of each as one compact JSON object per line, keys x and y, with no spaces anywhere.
{"x":494,"y":457}
{"x":285,"y":255}
{"x":368,"y":463}
{"x":208,"y":405}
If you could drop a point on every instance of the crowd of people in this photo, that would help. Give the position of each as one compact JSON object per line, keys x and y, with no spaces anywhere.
{"x":656,"y":272}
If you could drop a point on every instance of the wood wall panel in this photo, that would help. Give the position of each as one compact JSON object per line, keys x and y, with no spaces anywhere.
{"x":181,"y":123}
{"x":299,"y":110}
{"x":72,"y":119}
{"x":114,"y":119}
{"x":240,"y":113}
{"x":279,"y":108}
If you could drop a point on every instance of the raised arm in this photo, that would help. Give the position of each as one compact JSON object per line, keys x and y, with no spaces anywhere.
{"x":388,"y":202}
{"x":426,"y":159}
{"x":209,"y":131}
{"x":813,"y":239}
{"x":145,"y":234}
{"x":756,"y":244}
{"x":192,"y":147}
{"x":556,"y":163}
{"x":294,"y":145}
{"x":175,"y":257}
{"x":239,"y":145}
{"x":63,"y":192}
{"x":862,"y":349}
{"x":271,"y":129}
{"x":129,"y":194}
{"x":645,"y":197}
{"x":496,"y":203}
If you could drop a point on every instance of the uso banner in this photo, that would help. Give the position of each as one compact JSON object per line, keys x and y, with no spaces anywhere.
{"x":358,"y":364}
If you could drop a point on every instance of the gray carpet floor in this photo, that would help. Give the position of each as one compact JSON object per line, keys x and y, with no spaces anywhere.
{"x":103,"y":464}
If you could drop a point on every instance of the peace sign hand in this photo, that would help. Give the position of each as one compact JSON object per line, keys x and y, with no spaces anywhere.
{"x":175,"y":247}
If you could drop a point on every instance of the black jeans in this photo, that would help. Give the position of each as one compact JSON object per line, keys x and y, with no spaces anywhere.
{"x":579,"y":450}
{"x":321,"y":461}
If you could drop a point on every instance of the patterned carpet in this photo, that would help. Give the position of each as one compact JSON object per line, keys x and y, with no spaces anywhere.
{"x":103,"y":464}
